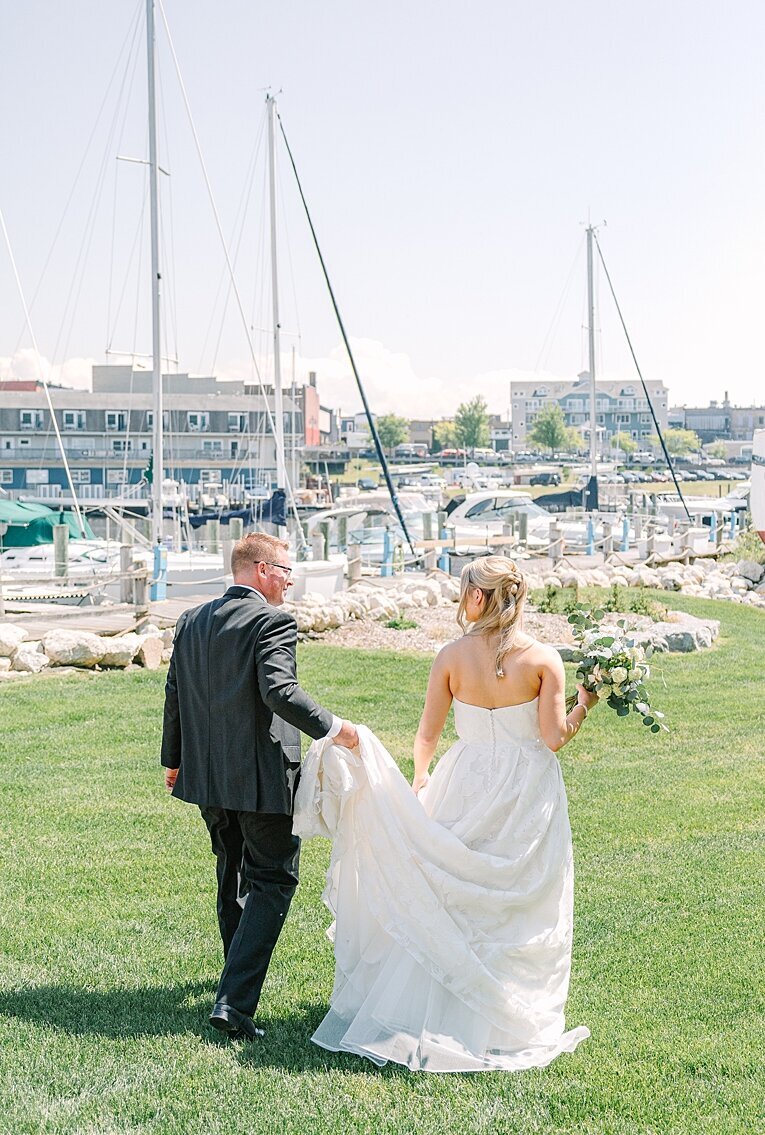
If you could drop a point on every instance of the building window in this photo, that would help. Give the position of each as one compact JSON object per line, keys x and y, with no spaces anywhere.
{"x":80,"y":476}
{"x":30,"y":419}
{"x":237,"y":423}
{"x":74,"y":419}
{"x":119,"y":445}
{"x":24,"y":442}
{"x":213,"y":445}
{"x":6,"y":476}
{"x":196,"y":422}
{"x":209,"y":475}
{"x":623,"y":419}
{"x":116,"y":420}
{"x":150,"y":419}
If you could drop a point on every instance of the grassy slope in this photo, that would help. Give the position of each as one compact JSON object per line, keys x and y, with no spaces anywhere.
{"x":109,"y":944}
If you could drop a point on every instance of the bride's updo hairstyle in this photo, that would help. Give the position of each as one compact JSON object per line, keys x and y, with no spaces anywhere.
{"x":504,"y":589}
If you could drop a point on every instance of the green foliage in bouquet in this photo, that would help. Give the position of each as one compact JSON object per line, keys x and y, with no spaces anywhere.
{"x":613,"y":665}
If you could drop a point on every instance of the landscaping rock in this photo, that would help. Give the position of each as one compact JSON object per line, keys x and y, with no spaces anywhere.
{"x":751,"y":570}
{"x":28,"y":661}
{"x":150,"y":652}
{"x":10,"y":637}
{"x":73,"y":648}
{"x":121,"y":650}
{"x":5,"y":664}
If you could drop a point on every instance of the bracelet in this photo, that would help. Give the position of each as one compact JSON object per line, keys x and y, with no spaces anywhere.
{"x":581,"y":705}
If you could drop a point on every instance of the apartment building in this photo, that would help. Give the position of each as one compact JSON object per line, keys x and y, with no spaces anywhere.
{"x":620,"y":407}
{"x":214,"y":432}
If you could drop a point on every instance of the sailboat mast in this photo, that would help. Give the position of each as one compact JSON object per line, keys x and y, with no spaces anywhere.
{"x":281,"y":472}
{"x":591,"y":337}
{"x":157,"y":425}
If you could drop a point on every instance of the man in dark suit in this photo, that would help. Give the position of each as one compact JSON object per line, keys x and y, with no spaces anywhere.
{"x":231,"y":744}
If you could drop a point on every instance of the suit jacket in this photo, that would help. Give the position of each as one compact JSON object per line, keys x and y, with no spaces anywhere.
{"x":233,"y":707}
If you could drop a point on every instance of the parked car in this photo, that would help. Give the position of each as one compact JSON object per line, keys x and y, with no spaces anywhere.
{"x":545,"y":479}
{"x":367,"y":484}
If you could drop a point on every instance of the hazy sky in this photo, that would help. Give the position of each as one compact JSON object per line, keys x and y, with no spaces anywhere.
{"x":450,"y":153}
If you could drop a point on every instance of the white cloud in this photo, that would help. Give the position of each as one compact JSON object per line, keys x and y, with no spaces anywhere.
{"x":391,"y":383}
{"x":28,"y":366}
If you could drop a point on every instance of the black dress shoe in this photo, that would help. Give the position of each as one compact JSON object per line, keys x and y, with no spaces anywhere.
{"x":234,"y":1024}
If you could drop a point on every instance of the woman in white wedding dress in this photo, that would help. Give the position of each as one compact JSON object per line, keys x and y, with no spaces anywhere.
{"x":454,"y":906}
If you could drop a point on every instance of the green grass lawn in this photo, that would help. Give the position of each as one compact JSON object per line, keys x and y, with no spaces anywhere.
{"x":109,"y":950}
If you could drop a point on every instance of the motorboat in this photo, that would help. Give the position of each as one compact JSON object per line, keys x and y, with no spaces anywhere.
{"x":488,"y":513}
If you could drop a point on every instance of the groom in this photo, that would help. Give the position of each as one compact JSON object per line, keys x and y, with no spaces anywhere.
{"x":231,"y":744}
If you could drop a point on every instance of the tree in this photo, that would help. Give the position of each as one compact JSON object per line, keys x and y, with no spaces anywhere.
{"x":624,"y":442}
{"x":550,"y":430}
{"x":392,"y":431}
{"x":718,"y":449}
{"x":444,"y":435}
{"x":679,"y":442}
{"x":471,"y":423}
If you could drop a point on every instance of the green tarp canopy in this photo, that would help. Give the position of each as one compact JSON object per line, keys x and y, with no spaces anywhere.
{"x":30,"y":524}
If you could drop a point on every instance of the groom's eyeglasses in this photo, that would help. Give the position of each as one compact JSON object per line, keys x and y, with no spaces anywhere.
{"x":287,"y":570}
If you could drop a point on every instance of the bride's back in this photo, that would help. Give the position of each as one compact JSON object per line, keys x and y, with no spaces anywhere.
{"x":472,"y":678}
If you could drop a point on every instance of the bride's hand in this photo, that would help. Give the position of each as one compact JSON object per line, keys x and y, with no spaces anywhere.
{"x":419,"y":782}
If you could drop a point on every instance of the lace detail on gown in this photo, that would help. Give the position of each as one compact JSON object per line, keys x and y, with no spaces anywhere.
{"x":453,"y":912}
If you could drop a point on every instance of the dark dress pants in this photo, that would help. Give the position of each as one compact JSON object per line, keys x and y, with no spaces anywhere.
{"x":257,"y":868}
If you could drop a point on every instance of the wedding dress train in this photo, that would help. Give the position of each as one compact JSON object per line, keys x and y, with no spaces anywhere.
{"x":453,"y":911}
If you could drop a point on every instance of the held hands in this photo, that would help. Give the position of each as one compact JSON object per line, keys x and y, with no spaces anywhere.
{"x":348,"y":736}
{"x":171,"y":775}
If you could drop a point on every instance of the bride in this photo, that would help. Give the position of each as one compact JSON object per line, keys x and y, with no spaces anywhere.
{"x":454,"y":904}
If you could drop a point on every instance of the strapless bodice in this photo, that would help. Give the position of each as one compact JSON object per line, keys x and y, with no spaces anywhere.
{"x":509,"y":723}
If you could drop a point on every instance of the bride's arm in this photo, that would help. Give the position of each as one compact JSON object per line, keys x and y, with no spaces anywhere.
{"x":557,"y":727}
{"x":437,"y":702}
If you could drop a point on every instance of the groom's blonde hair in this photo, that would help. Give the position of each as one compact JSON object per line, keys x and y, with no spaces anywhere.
{"x":504,"y":588}
{"x":258,"y":547}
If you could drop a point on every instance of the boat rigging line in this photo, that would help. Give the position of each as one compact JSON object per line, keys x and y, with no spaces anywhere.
{"x":367,"y":411}
{"x":642,"y":381}
{"x":43,"y":379}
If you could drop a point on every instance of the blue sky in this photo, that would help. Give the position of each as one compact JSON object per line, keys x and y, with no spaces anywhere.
{"x":449,"y":153}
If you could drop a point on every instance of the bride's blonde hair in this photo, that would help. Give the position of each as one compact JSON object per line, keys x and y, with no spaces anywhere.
{"x":504,"y":588}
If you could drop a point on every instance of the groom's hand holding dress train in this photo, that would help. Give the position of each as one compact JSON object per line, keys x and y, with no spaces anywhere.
{"x":231,"y":744}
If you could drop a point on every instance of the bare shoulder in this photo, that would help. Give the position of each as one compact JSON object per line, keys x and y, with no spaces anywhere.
{"x":447,"y":656}
{"x":540,"y":654}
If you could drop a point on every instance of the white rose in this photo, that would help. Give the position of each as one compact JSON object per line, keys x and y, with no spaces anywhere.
{"x":619,"y":675}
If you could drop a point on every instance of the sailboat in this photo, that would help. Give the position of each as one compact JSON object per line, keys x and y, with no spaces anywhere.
{"x":93,"y":564}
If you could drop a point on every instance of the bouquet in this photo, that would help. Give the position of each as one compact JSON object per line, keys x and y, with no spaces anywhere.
{"x":611,"y":664}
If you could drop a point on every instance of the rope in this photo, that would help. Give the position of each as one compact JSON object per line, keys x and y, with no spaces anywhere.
{"x":43,"y":379}
{"x":367,"y":411}
{"x":642,"y":380}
